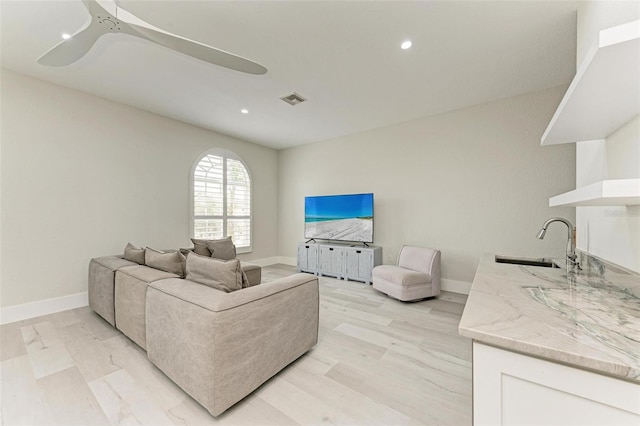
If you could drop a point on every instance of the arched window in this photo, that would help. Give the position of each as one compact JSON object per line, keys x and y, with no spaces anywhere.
{"x":221,"y":198}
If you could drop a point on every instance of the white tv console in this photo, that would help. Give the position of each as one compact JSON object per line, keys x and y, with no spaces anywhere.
{"x":342,"y":261}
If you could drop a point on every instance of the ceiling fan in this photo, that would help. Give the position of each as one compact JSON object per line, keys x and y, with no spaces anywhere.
{"x":102,"y":22}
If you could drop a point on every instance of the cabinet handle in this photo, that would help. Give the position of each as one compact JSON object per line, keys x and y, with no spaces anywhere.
{"x":306,"y":246}
{"x":358,"y":251}
{"x":330,"y":248}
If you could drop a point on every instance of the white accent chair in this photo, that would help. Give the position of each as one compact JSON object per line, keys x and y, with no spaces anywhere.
{"x":417,"y":275}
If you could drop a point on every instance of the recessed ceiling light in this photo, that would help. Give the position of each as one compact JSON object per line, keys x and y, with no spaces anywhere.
{"x":244,"y":111}
{"x":405,"y":45}
{"x":66,"y":36}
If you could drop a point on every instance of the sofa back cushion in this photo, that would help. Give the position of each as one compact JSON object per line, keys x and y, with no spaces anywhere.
{"x":134,"y":254}
{"x":221,"y":275}
{"x":222,"y":248}
{"x":200,"y":247}
{"x":165,"y":261}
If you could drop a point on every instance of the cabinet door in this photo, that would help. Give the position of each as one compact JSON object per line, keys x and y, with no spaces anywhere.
{"x":352,"y":264}
{"x":331,"y":259}
{"x":359,"y":263}
{"x":337,"y":255}
{"x":325,"y":260}
{"x":516,"y":389}
{"x":312,"y":257}
{"x":302,"y":257}
{"x":308,"y":257}
{"x":365,"y":264}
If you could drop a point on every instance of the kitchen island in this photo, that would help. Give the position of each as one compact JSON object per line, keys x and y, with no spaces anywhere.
{"x":552,"y":347}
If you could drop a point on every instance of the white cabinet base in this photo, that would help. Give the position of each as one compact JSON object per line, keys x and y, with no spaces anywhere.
{"x":339,"y":260}
{"x":308,"y":258}
{"x":359,"y":263}
{"x":514,"y":389}
{"x":331,"y":261}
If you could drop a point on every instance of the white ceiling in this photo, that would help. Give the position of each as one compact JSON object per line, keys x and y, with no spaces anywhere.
{"x":343,"y":56}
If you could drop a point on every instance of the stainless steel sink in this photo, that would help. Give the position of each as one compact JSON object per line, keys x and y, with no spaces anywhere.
{"x":541,"y":261}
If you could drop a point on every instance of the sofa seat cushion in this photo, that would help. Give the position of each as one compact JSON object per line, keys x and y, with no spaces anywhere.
{"x":101,"y":282}
{"x":113,"y":263}
{"x":400,"y":275}
{"x":146,"y":274}
{"x":130,"y":300}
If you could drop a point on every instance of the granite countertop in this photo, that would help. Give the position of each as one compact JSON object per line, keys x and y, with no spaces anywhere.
{"x":590,"y":320}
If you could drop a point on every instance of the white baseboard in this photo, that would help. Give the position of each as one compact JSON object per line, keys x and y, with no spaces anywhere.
{"x":462,"y":287}
{"x":291,"y":261}
{"x":42,"y":307}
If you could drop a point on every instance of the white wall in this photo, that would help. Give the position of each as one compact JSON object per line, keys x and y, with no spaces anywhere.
{"x":82,"y":176}
{"x":594,"y":16}
{"x":612,"y":232}
{"x":469,"y":181}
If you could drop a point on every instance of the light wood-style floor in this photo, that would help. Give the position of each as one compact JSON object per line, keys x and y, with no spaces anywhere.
{"x":378,"y":361}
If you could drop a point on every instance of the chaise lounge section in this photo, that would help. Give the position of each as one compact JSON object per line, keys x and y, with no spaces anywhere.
{"x":102,"y":278}
{"x":219,"y":347}
{"x":130,"y":299}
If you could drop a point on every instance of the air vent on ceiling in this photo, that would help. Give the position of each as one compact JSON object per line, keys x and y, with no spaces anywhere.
{"x":293,"y":99}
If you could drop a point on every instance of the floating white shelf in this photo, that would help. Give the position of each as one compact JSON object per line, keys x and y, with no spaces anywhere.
{"x":615,"y":192}
{"x":605,"y":92}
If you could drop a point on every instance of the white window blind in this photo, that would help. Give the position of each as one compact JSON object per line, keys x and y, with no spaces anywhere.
{"x":222,"y":199}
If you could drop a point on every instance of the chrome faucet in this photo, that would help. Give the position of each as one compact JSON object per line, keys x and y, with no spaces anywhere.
{"x":572,"y":263}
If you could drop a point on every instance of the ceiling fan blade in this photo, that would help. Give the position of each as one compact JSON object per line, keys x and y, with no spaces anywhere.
{"x":195,"y":49}
{"x":93,"y":7}
{"x":69,"y":51}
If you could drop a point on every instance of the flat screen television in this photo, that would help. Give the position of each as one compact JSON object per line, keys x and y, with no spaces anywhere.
{"x":347,"y":217}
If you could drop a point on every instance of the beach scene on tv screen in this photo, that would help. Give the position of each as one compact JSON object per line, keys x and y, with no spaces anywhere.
{"x":339,"y":217}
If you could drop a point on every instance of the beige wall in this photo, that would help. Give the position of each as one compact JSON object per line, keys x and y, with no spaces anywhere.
{"x":82,"y":176}
{"x":469,"y":181}
{"x":611,"y":232}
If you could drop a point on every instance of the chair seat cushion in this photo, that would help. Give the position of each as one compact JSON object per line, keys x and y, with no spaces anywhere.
{"x":400,"y":276}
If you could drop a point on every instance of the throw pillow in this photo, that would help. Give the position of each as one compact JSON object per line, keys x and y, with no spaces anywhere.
{"x":134,"y":254}
{"x":225,"y":276}
{"x":245,"y":280}
{"x":183,"y":259}
{"x":200,"y":247}
{"x":165,"y":261}
{"x":222,"y":249}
